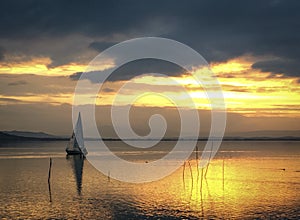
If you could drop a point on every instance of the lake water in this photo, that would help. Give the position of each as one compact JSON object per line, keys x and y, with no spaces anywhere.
{"x":246,"y":180}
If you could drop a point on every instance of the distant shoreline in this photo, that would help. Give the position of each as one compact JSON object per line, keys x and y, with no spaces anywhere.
{"x":205,"y":139}
{"x":167,"y":139}
{"x":11,"y":137}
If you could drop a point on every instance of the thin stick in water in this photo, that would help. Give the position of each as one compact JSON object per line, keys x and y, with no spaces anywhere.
{"x":49,"y":178}
{"x":211,"y":149}
{"x":197,"y":164}
{"x":191,"y":173}
{"x":183,"y":170}
{"x":201,"y":180}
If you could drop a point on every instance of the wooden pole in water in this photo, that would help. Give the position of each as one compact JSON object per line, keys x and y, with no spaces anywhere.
{"x":201,"y":179}
{"x":49,"y":173}
{"x":211,"y":149}
{"x":49,"y":178}
{"x":197,"y":164}
{"x":191,"y":171}
{"x":183,"y":170}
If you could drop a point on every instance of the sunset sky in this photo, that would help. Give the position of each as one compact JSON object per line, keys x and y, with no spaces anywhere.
{"x":253,"y":47}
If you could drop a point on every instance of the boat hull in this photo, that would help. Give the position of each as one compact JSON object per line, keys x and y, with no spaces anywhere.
{"x":73,"y":152}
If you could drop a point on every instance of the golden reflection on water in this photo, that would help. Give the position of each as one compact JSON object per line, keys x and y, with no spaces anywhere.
{"x":250,"y":187}
{"x":243,"y":187}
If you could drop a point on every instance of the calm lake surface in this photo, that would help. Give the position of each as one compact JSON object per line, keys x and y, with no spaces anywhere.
{"x":246,"y":180}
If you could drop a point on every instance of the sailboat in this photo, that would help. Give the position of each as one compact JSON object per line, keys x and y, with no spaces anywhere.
{"x":76,"y":143}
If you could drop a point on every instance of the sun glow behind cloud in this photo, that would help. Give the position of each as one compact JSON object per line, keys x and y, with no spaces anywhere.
{"x":42,"y":66}
{"x":246,"y":90}
{"x":251,"y":92}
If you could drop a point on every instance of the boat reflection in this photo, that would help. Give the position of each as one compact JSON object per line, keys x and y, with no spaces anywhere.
{"x":77,"y":162}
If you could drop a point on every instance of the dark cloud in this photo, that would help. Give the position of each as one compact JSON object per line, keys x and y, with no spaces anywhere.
{"x":135,"y":68}
{"x":100,"y":46}
{"x":75,"y":76}
{"x":287,"y":67}
{"x":2,"y":51}
{"x":108,"y":90}
{"x":59,"y":17}
{"x":219,"y":30}
{"x":146,"y":66}
{"x":17,"y":83}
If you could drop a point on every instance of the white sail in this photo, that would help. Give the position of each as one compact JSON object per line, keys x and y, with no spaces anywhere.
{"x":79,"y":135}
{"x":76,"y":143}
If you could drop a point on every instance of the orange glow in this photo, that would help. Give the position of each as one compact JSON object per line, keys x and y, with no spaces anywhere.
{"x":229,"y":185}
{"x":231,"y":66}
{"x":39,"y":66}
{"x":253,"y":92}
{"x":246,"y":90}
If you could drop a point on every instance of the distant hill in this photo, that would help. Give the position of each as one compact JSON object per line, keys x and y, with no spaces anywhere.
{"x":26,"y":135}
{"x":30,"y":134}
